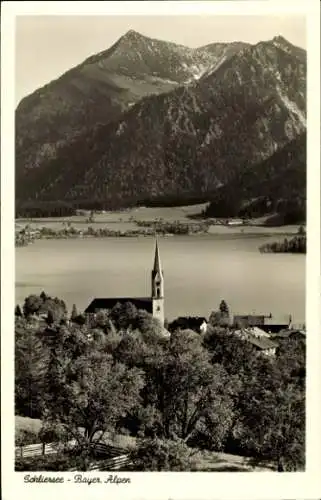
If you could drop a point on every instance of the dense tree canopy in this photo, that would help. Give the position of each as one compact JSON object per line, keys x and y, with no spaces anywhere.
{"x":116,"y":371}
{"x":31,"y":358}
{"x":42,"y":304}
{"x":297,"y":244}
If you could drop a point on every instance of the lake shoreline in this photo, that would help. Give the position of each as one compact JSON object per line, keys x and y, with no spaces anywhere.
{"x":231,"y":234}
{"x":212,"y":229}
{"x":200,"y":270}
{"x":143,"y":222}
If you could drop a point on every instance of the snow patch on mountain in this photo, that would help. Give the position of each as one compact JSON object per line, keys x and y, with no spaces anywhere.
{"x":218,"y":64}
{"x":157,"y":79}
{"x":292,"y":107}
{"x":196,"y":71}
{"x":281,"y":43}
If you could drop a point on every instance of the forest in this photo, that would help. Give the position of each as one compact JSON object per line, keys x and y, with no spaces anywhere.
{"x":42,"y":209}
{"x":275,"y":188}
{"x":297,"y":244}
{"x":116,"y":371}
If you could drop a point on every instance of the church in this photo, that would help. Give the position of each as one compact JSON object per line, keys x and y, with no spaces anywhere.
{"x":153,"y":304}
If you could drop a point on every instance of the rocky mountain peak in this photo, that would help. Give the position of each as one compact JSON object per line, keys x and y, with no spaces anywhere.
{"x":283,"y":44}
{"x":132,"y":36}
{"x":280,"y":39}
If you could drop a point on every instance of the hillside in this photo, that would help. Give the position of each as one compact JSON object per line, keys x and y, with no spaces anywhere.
{"x":276,"y":185}
{"x":231,"y":106}
{"x":103,"y":86}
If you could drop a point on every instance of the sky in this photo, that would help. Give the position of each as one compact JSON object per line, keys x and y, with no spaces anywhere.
{"x":47,"y":46}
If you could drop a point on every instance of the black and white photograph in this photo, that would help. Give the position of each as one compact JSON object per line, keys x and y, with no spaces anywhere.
{"x":160,"y":316}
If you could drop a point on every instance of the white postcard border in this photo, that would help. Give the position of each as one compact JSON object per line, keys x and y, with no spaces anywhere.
{"x":194,"y":486}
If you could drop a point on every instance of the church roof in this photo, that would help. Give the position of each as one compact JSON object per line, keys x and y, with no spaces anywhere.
{"x":145,"y":303}
{"x":157,"y":262}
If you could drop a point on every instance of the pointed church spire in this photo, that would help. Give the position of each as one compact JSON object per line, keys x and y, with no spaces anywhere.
{"x":157,"y":261}
{"x":158,"y":287}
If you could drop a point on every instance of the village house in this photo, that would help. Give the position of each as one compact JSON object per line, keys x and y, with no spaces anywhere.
{"x":196,"y":323}
{"x":263,"y":345}
{"x":267,"y":323}
{"x":288,"y":334}
{"x":258,"y":339}
{"x":256,"y":332}
{"x":235,"y":222}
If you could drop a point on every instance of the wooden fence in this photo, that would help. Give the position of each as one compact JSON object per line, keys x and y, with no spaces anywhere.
{"x":38,"y":449}
{"x":115,"y":463}
{"x":106,"y":450}
{"x":115,"y":457}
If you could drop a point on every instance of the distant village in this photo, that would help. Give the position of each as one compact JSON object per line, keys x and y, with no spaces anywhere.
{"x":262,"y":331}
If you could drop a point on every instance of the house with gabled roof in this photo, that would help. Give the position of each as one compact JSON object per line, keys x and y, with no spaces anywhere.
{"x":263,"y":345}
{"x":267,"y":323}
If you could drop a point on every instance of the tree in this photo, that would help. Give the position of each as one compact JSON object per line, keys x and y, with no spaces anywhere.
{"x":127,"y":315}
{"x":224,"y":309}
{"x":189,"y":395}
{"x":291,"y":360}
{"x":80,"y":319}
{"x":23,"y":437}
{"x":30,"y":364}
{"x":41,"y":304}
{"x":158,"y":455}
{"x":139,"y":349}
{"x":235,"y":354}
{"x":32,"y":305}
{"x":271,"y":408}
{"x":18,"y":311}
{"x":149,"y":326}
{"x":56,"y":306}
{"x":225,"y":314}
{"x":87,"y":390}
{"x":50,"y":318}
{"x":101,"y":319}
{"x":217,"y":318}
{"x":124,"y":315}
{"x":272,"y":425}
{"x":74,"y":312}
{"x":220,"y":317}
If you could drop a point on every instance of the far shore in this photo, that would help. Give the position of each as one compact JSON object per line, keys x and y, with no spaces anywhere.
{"x":54,"y":229}
{"x":142,"y":222}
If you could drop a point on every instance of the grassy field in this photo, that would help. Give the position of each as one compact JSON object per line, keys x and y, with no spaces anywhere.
{"x":181,"y":214}
{"x":126,"y":221}
{"x":27,"y":424}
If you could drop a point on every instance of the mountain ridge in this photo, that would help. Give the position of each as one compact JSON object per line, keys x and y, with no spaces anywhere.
{"x":188,"y":138}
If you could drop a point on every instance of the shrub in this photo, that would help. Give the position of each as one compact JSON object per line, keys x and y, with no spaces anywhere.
{"x":60,"y":462}
{"x":158,"y":455}
{"x":23,"y":437}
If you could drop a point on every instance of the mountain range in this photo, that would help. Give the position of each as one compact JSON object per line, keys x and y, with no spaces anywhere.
{"x":149,"y":120}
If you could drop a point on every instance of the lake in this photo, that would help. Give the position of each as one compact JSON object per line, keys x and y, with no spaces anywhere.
{"x":199,"y":271}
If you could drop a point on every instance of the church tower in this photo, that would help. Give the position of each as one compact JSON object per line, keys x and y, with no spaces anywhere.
{"x":158,"y":288}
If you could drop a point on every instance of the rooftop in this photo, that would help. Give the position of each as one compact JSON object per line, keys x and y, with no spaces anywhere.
{"x":262,"y":343}
{"x":145,"y":303}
